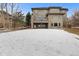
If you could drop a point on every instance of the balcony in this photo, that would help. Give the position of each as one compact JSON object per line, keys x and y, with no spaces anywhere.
{"x":40,"y":21}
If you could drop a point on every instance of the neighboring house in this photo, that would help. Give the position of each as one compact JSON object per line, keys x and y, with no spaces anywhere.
{"x":51,"y":17}
{"x":5,"y":20}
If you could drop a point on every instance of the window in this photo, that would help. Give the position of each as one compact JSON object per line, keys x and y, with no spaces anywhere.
{"x":55,"y":24}
{"x":52,"y":24}
{"x":40,"y":18}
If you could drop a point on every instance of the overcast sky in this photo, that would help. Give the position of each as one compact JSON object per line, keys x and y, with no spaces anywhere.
{"x":26,"y":7}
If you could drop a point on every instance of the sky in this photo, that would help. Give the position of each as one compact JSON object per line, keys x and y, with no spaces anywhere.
{"x":26,"y":7}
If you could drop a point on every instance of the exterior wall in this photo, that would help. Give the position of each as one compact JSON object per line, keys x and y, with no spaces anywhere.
{"x":63,"y":11}
{"x":51,"y":16}
{"x":40,"y":15}
{"x":55,"y":19}
{"x":54,"y":10}
{"x":65,"y":18}
{"x":65,"y":15}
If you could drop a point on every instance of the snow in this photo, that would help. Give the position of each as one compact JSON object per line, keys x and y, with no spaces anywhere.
{"x":39,"y":42}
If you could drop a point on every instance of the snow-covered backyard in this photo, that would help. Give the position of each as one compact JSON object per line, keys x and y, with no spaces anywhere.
{"x":44,"y":42}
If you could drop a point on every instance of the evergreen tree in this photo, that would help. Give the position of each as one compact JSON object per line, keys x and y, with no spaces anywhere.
{"x":28,"y":19}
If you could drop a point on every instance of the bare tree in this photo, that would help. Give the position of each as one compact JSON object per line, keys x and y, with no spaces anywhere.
{"x":9,"y":8}
{"x":14,"y":9}
{"x":75,"y":18}
{"x":12,"y":6}
{"x":6,"y":7}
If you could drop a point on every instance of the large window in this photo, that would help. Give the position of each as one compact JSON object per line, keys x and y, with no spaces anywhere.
{"x":40,"y":18}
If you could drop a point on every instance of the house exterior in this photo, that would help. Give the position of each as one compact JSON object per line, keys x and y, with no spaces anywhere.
{"x":51,"y":17}
{"x":5,"y":20}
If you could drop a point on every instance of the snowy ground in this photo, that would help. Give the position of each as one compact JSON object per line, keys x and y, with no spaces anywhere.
{"x":44,"y":42}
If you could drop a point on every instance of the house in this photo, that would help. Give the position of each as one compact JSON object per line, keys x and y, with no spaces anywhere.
{"x":51,"y":17}
{"x":5,"y":20}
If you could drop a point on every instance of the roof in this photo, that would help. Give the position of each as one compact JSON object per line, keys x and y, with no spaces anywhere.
{"x":64,"y":9}
{"x":40,"y":8}
{"x":45,"y":8}
{"x":54,"y":7}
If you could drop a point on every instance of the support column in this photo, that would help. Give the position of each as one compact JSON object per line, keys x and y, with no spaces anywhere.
{"x":53,"y":25}
{"x":49,"y":25}
{"x":32,"y":21}
{"x":49,"y":22}
{"x":32,"y":25}
{"x":58,"y":25}
{"x":61,"y":25}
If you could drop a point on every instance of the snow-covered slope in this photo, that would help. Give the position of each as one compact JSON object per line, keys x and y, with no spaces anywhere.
{"x":39,"y":42}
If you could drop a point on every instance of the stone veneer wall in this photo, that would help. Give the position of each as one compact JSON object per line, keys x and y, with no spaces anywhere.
{"x":39,"y":14}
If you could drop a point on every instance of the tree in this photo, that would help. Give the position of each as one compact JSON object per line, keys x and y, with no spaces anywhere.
{"x":28,"y":19}
{"x":12,"y":9}
{"x":18,"y":18}
{"x":15,"y":14}
{"x":7,"y":7}
{"x":75,"y":18}
{"x":65,"y":22}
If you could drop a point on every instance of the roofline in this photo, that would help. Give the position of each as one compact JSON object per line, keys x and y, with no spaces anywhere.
{"x":64,"y":9}
{"x":55,"y":7}
{"x":40,"y":8}
{"x":44,"y":8}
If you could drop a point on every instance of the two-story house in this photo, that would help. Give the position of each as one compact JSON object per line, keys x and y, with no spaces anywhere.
{"x":51,"y":17}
